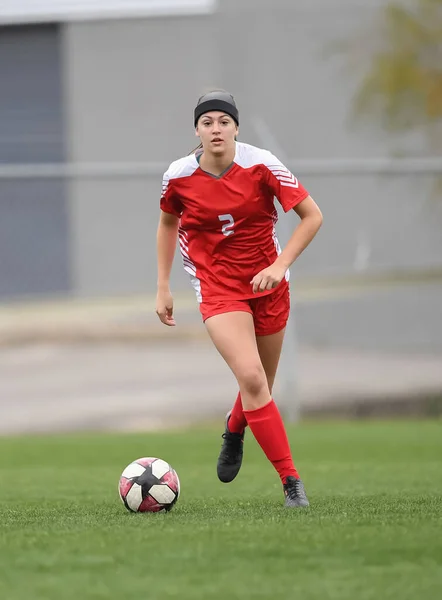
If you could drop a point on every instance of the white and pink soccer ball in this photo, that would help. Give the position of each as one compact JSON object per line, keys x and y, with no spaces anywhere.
{"x":149,"y":485}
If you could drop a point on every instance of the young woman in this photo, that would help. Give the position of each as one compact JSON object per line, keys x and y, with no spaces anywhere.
{"x":219,"y":203}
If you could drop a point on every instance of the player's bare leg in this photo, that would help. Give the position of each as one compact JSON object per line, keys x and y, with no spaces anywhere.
{"x":234,"y":337}
{"x":269,"y":348}
{"x":233,"y":334}
{"x":231,"y":455}
{"x":221,"y":329}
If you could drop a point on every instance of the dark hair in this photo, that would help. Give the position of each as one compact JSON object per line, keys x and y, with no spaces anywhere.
{"x":194,"y":151}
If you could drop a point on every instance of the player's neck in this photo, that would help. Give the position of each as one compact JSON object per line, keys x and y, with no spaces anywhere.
{"x":217,"y":164}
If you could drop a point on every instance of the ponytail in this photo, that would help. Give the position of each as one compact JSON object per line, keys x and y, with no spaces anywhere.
{"x":195,"y":150}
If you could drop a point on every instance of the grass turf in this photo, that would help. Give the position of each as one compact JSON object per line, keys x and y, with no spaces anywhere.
{"x":373,"y":531}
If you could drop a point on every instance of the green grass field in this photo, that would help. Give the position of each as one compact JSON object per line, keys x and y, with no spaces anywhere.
{"x":373,"y":531}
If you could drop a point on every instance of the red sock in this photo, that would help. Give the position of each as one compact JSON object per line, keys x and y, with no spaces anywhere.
{"x":268,"y":428}
{"x":237,"y":421}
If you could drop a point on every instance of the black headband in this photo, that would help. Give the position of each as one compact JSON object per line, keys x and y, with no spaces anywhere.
{"x":216,"y":104}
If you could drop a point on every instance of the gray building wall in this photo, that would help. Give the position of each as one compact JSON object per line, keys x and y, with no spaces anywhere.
{"x":130,"y":100}
{"x":125,"y":94}
{"x":34,"y":229}
{"x":290,"y":74}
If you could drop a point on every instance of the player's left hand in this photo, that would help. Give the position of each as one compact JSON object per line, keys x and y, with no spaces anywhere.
{"x":268,"y":278}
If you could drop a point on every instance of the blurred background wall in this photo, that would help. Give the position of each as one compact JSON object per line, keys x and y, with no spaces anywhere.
{"x":96,"y":100}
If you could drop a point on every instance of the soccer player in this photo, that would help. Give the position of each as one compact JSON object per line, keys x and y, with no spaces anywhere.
{"x":219,"y":203}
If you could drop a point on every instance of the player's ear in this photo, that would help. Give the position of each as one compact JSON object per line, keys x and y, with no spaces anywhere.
{"x":196,"y":133}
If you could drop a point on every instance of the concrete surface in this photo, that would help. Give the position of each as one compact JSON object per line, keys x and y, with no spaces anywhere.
{"x":52,"y":387}
{"x":110,"y":364}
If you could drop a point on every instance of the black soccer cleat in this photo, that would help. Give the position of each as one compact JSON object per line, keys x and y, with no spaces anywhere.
{"x":230,"y":457}
{"x":295,"y":496}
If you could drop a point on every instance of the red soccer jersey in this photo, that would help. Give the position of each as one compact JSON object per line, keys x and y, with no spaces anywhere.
{"x":227,"y":223}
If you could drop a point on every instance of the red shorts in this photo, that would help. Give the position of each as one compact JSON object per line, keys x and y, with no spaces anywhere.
{"x":270,"y":313}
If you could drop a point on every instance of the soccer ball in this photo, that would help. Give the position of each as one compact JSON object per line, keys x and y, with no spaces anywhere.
{"x":149,"y":485}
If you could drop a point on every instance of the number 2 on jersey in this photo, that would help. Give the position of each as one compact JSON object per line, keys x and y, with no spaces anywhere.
{"x":227,"y":228}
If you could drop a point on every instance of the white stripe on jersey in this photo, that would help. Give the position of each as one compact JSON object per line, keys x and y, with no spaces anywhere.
{"x":188,"y":265}
{"x":184,"y":251}
{"x":183,"y":242}
{"x":197,"y":287}
{"x":286,"y":178}
{"x":165,"y":185}
{"x":247,"y":156}
{"x":279,"y":250}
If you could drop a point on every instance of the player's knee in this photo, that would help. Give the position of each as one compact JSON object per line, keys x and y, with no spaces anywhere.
{"x":252,"y":381}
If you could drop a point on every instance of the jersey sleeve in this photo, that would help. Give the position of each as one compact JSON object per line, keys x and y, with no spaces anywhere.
{"x":282,"y":183}
{"x":169,"y":202}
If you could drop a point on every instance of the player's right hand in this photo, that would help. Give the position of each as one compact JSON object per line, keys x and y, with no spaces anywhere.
{"x":164,"y":307}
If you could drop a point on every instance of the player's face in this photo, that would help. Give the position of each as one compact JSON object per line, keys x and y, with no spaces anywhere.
{"x":216,"y":131}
